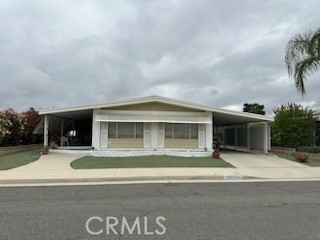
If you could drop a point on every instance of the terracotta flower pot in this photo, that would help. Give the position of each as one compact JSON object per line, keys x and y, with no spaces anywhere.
{"x":216,"y":154}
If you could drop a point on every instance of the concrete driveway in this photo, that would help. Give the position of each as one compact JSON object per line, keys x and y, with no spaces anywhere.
{"x":268,"y":166}
{"x":254,"y":160}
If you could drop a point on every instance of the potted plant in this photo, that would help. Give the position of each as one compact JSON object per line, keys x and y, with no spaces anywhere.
{"x":54,"y":141}
{"x":216,"y":154}
{"x":44,"y":151}
{"x":301,"y":157}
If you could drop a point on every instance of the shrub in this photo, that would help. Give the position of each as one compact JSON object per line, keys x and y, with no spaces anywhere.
{"x":301,"y":157}
{"x":308,"y":149}
{"x":11,"y":127}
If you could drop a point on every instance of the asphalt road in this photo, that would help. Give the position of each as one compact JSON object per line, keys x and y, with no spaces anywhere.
{"x":272,"y":210}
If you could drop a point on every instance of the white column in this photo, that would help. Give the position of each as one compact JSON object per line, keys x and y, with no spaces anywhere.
{"x":224,"y":136}
{"x":236,"y":137}
{"x":248,"y":137}
{"x":265,"y":137}
{"x":46,"y":131}
{"x":209,"y":137}
{"x":209,"y":133}
{"x":95,"y":130}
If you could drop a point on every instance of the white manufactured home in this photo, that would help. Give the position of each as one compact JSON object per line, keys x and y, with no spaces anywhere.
{"x":154,"y":124}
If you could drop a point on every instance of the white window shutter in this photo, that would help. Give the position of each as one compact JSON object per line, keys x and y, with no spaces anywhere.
{"x":161,"y":135}
{"x":147,"y":135}
{"x":202,"y":136}
{"x":103,"y":135}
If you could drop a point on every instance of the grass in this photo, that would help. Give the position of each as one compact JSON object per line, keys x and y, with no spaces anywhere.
{"x":91,"y":162}
{"x":18,"y":159}
{"x":312,"y":162}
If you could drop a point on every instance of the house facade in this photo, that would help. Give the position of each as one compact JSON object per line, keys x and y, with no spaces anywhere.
{"x":153,"y":124}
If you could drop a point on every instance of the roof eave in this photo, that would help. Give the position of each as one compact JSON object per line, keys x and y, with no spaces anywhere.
{"x":156,"y":99}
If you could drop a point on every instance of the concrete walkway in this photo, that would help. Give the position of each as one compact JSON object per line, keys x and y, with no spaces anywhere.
{"x":55,"y":167}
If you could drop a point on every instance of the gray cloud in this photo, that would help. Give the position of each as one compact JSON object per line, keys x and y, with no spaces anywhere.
{"x":219,"y":53}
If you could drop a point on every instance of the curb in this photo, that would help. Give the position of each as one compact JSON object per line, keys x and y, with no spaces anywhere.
{"x":122,"y":179}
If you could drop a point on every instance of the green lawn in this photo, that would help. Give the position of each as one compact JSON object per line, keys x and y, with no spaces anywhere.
{"x":312,"y":162}
{"x":90,"y":162}
{"x":18,"y":159}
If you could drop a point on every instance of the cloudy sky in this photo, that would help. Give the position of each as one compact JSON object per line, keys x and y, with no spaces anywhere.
{"x":218,"y":53}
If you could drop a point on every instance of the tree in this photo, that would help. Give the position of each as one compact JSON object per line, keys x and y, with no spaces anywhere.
{"x":31,"y":120}
{"x":293,"y":125}
{"x":303,"y":57}
{"x":11,"y":127}
{"x":254,"y":108}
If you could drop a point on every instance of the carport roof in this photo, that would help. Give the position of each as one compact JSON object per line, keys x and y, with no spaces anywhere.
{"x":221,"y":116}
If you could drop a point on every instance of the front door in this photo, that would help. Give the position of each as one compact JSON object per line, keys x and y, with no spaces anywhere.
{"x":153,"y":135}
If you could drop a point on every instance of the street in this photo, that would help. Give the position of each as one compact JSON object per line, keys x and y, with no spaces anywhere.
{"x":265,"y":210}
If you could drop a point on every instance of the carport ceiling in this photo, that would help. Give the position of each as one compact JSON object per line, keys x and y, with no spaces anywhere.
{"x":221,"y":119}
{"x":76,"y":115}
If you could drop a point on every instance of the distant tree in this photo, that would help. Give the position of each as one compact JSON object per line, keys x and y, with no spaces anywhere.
{"x":303,"y":57}
{"x":31,"y":120}
{"x":254,"y":108}
{"x":293,"y":125}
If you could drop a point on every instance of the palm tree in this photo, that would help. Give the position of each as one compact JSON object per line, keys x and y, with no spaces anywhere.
{"x":303,"y":57}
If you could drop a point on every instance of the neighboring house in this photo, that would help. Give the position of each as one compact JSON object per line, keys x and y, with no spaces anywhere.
{"x":155,"y":124}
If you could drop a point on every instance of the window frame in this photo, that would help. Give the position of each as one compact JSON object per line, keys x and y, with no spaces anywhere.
{"x":134,"y":131}
{"x":189,"y":130}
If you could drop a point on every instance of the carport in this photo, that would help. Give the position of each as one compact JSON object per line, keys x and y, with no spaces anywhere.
{"x":242,"y":131}
{"x":75,"y":125}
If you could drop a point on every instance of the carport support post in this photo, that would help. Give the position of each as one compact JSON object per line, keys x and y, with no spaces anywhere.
{"x":46,"y":131}
{"x":265,"y":137}
{"x":236,"y":137}
{"x":248,"y":137}
{"x":62,"y":128}
{"x":95,"y":130}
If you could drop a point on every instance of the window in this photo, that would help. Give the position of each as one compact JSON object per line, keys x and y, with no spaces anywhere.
{"x":125,"y":130}
{"x":72,"y":133}
{"x":181,"y":131}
